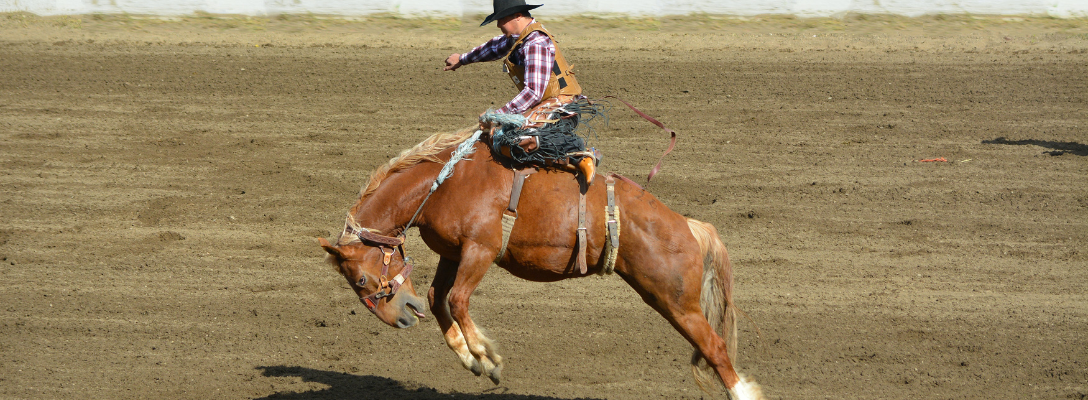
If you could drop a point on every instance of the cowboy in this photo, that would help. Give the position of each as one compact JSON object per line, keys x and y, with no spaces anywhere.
{"x":550,"y":97}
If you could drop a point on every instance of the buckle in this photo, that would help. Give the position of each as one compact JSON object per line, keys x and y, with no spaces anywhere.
{"x":388,"y":256}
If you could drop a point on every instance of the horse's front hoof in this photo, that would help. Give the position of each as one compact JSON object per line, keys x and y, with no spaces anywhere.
{"x":476,"y":368}
{"x":496,"y":375}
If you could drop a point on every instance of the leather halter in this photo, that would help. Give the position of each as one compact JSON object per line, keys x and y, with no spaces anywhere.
{"x":388,"y":246}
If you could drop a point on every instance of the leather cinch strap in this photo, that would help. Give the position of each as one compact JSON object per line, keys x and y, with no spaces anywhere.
{"x":511,"y":214}
{"x":581,"y":259}
{"x":612,"y":222}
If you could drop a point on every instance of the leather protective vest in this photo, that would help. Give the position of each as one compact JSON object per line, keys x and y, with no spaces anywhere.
{"x":561,"y":81}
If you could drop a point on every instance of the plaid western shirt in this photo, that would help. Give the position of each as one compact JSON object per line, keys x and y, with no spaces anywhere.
{"x":537,"y":54}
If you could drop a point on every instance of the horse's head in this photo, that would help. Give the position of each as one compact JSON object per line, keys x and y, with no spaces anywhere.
{"x":379,"y":275}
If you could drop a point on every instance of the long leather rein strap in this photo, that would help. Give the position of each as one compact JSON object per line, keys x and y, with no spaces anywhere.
{"x":672,"y":133}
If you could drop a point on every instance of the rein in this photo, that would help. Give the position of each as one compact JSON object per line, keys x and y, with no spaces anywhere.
{"x":672,"y":133}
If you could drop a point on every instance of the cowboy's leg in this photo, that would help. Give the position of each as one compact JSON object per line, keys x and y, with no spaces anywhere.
{"x":475,"y":261}
{"x":573,"y":148}
{"x":438,"y":297}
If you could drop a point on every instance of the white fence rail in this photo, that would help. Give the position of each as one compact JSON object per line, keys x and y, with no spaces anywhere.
{"x":803,"y":8}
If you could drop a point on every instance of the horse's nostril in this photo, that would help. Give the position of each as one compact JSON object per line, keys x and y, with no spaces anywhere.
{"x":405,"y":322}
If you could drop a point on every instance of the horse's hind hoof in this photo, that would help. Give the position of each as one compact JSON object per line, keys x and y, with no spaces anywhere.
{"x":477,"y":369}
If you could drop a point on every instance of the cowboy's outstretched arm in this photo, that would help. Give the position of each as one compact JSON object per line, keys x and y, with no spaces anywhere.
{"x":492,"y":50}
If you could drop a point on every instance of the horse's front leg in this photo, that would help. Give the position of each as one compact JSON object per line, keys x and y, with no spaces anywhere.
{"x":438,"y":297}
{"x":475,"y":261}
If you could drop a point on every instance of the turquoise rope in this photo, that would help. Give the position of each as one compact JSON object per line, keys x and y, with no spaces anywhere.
{"x":465,"y":148}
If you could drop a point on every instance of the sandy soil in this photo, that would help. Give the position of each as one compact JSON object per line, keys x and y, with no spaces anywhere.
{"x":164,"y":181}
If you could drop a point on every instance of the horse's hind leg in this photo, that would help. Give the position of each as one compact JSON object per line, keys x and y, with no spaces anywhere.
{"x":698,"y":331}
{"x":440,"y":308}
{"x":674,"y":292}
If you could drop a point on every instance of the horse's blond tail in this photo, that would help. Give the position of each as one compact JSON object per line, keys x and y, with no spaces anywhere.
{"x":716,"y":300}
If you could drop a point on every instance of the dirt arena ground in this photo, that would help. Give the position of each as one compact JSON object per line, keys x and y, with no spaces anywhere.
{"x":164,"y":183}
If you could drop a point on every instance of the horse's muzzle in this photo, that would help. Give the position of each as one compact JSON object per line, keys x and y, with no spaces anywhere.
{"x":408,"y":310}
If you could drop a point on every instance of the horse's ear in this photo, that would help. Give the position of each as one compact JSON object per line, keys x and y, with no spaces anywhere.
{"x":335,"y":251}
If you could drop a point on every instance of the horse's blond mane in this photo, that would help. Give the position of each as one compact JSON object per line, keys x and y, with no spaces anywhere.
{"x":426,"y":150}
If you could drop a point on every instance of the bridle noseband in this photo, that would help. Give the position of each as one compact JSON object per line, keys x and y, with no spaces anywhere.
{"x":388,"y":245}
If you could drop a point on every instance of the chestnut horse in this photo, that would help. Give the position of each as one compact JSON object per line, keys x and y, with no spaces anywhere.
{"x":678,"y":265}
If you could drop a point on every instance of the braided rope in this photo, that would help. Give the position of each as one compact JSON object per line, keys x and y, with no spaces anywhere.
{"x":505,"y":121}
{"x":465,"y":148}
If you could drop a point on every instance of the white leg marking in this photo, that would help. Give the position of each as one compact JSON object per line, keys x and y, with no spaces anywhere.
{"x":484,"y":350}
{"x":456,"y":342}
{"x":746,"y":389}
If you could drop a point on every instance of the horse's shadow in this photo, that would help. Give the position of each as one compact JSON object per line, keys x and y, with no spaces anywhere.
{"x":1059,"y":147}
{"x":348,"y":386}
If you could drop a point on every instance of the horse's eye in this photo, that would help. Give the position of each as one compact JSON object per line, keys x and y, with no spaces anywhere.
{"x":362,"y":281}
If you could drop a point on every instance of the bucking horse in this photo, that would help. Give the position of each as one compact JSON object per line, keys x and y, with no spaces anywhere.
{"x":477,"y":217}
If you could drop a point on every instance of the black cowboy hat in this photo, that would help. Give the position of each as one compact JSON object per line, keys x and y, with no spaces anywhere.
{"x":504,"y":8}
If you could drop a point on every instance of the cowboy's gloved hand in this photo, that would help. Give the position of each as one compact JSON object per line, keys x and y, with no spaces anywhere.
{"x":485,"y":125}
{"x":453,"y":62}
